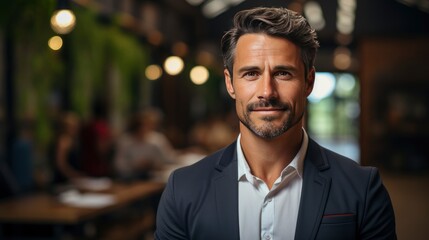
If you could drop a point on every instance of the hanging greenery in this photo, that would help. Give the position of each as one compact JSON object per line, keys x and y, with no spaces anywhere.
{"x":36,"y":68}
{"x":100,"y":50}
{"x":94,"y":49}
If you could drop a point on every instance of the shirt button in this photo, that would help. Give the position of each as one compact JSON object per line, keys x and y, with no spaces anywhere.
{"x":269,"y":199}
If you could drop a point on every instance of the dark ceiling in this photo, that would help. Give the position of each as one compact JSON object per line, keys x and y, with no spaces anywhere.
{"x":373,"y":18}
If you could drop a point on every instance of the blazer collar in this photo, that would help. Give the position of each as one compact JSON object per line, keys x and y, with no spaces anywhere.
{"x":314,"y":193}
{"x":227,"y":156}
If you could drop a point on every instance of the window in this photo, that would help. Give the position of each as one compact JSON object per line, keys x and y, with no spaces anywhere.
{"x":333,"y":113}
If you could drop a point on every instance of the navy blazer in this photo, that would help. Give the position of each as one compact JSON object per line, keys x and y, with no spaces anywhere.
{"x":339,"y":200}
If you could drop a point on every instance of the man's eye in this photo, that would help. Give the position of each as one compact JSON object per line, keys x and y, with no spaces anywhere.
{"x":283,"y":75}
{"x":251,"y":75}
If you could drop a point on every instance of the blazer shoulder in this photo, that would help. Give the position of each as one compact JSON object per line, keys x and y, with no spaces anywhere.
{"x":205,"y":168}
{"x":349,"y":176}
{"x":338,"y":161}
{"x":341,"y":169}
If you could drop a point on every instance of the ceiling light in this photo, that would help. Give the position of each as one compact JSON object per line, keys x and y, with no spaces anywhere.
{"x":55,"y":43}
{"x":314,"y":14}
{"x":195,"y":2}
{"x":173,"y":65}
{"x":213,"y":8}
{"x":153,"y":72}
{"x":199,"y":75}
{"x":342,"y":58}
{"x":63,"y":21}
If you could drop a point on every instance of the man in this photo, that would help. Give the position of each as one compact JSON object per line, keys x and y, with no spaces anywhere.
{"x":274,"y":182}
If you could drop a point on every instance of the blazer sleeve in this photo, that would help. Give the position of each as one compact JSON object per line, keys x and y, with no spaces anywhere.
{"x":168,"y":223}
{"x":378,"y":220}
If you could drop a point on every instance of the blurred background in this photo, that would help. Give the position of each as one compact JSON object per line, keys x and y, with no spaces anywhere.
{"x":88,"y":86}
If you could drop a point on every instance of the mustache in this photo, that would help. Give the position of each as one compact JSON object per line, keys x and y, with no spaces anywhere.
{"x":263,"y":103}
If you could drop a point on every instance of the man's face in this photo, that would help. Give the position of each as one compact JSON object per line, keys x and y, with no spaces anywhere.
{"x":268,"y":84}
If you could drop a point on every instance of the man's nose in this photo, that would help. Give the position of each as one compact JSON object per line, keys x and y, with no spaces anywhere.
{"x":267,"y":87}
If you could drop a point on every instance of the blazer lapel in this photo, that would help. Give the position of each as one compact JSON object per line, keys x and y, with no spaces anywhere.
{"x":226,"y":193}
{"x":314,"y":194}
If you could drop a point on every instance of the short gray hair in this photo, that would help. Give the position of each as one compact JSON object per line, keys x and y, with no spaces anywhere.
{"x":277,"y":22}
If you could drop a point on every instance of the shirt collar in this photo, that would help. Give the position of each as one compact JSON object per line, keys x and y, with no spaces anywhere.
{"x":243,"y":167}
{"x":297,"y":162}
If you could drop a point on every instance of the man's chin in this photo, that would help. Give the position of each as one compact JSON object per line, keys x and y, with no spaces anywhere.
{"x":269,"y":135}
{"x":268,"y":118}
{"x":269,"y":131}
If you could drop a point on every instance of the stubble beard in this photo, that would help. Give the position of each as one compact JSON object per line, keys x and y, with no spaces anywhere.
{"x":268,"y":129}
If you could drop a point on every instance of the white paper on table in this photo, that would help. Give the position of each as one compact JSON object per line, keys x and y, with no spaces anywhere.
{"x":86,"y":200}
{"x":92,"y":184}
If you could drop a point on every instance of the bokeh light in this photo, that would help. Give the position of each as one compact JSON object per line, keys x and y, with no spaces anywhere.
{"x":153,"y":72}
{"x":324,"y":85}
{"x":55,"y":43}
{"x":346,"y":83}
{"x":63,"y":21}
{"x":199,"y":75}
{"x":180,"y":49}
{"x":342,"y":58}
{"x":173,"y":65}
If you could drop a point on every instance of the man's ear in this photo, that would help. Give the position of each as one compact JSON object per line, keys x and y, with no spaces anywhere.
{"x":228,"y":83}
{"x":311,"y":76}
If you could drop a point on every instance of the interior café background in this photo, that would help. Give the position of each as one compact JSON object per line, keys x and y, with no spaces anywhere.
{"x":136,"y":53}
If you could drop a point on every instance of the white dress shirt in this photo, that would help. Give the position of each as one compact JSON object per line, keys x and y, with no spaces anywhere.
{"x":270,"y":214}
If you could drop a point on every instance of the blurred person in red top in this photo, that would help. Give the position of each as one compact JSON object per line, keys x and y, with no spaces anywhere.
{"x":97,"y":143}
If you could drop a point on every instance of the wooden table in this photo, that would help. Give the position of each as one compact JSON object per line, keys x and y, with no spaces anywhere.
{"x":45,"y":208}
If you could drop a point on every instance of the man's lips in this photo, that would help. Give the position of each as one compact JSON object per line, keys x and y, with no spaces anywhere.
{"x":271,"y":109}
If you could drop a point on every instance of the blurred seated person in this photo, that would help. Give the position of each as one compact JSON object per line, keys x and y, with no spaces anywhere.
{"x":23,"y":156}
{"x":152,"y":119}
{"x":65,"y":152}
{"x":9,"y":185}
{"x":211,"y":135}
{"x":136,"y":153}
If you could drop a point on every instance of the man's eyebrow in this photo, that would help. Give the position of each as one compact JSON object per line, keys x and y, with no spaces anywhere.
{"x":248,"y":69}
{"x":285,"y":68}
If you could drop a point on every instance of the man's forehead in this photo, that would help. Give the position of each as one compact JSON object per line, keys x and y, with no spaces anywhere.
{"x":250,"y":47}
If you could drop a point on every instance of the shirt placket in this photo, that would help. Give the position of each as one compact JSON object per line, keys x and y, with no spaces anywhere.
{"x":267,"y":218}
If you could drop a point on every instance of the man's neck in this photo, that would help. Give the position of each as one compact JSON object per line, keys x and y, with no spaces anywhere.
{"x":268,"y":157}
